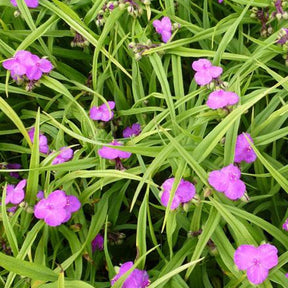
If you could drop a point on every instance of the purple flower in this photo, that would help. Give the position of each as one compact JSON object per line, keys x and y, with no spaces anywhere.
{"x":220,"y":99}
{"x":72,"y":205}
{"x":39,"y":67}
{"x":65,"y":155}
{"x":14,"y":166}
{"x":134,"y":130}
{"x":205,"y":71}
{"x":40,"y":195}
{"x":29,"y":3}
{"x":15,"y":195}
{"x":227,"y":180}
{"x":102,"y":112}
{"x":24,"y":63}
{"x":285,"y":225}
{"x":256,"y":260}
{"x":164,"y":28}
{"x":56,"y":208}
{"x":243,"y":150}
{"x":136,"y":279}
{"x":97,"y":243}
{"x":43,"y":142}
{"x":183,"y":194}
{"x":111,"y":153}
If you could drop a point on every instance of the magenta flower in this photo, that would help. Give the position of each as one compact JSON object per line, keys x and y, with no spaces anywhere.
{"x":29,"y":3}
{"x":39,"y":67}
{"x":43,"y":142}
{"x":15,"y":194}
{"x":72,"y":205}
{"x":183,"y":194}
{"x":65,"y":155}
{"x":14,"y":166}
{"x":97,"y":243}
{"x":134,"y":130}
{"x":111,"y":153}
{"x":164,"y":28}
{"x":102,"y":112}
{"x":256,"y":260}
{"x":243,"y":150}
{"x":205,"y":71}
{"x":227,"y":180}
{"x":285,"y":225}
{"x":24,"y":63}
{"x":56,"y":208}
{"x":136,"y":279}
{"x":220,"y":99}
{"x":40,"y":195}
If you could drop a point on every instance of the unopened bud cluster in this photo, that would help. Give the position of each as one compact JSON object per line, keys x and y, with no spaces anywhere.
{"x":132,"y":7}
{"x":139,"y":48}
{"x":276,"y":10}
{"x":79,"y":41}
{"x":283,"y":41}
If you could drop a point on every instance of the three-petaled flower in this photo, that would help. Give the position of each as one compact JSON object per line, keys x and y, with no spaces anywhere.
{"x":221,"y":98}
{"x":183,"y":194}
{"x":97,"y":243}
{"x":205,"y":71}
{"x":136,"y":279}
{"x":15,"y":194}
{"x":102,"y":112}
{"x":24,"y":63}
{"x":111,"y":153}
{"x":43,"y":142}
{"x":56,"y":208}
{"x":65,"y":155}
{"x":29,"y":3}
{"x":227,"y":180}
{"x":134,"y":130}
{"x":243,"y":150}
{"x":164,"y":28}
{"x":256,"y":260}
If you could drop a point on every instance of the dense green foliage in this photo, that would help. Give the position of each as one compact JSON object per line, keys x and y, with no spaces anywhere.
{"x":181,"y":137}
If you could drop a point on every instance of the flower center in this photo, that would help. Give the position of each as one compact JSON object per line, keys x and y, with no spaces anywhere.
{"x":256,"y":262}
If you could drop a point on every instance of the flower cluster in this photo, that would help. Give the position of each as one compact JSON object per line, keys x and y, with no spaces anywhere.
{"x":164,"y":28}
{"x":15,"y":194}
{"x":111,"y":153}
{"x":205,"y":74}
{"x":57,"y":208}
{"x":136,"y":279}
{"x":183,"y":194}
{"x":43,"y":142}
{"x":227,"y":180}
{"x":257,"y":261}
{"x":29,"y":3}
{"x":65,"y":155}
{"x":102,"y":112}
{"x":27,"y":65}
{"x":134,"y":130}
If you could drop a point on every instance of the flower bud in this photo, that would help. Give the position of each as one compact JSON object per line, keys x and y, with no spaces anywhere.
{"x":207,"y":192}
{"x":137,"y":56}
{"x":17,"y":13}
{"x":279,"y":16}
{"x":122,"y":6}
